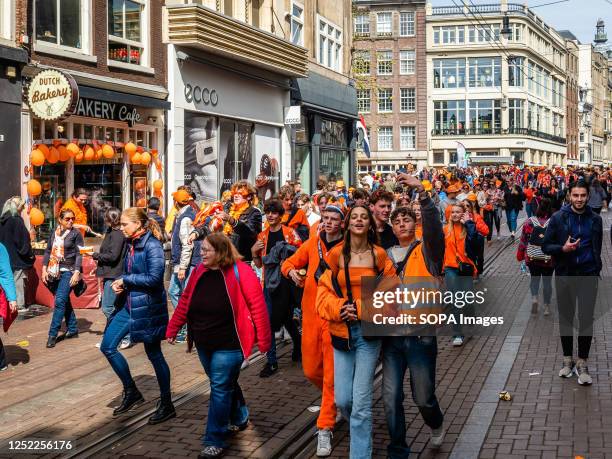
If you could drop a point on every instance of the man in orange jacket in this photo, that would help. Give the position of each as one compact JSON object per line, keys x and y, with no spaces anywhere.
{"x":317,"y":351}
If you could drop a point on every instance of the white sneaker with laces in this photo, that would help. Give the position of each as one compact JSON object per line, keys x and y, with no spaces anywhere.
{"x":324,"y":446}
{"x":125,"y":344}
{"x":458,"y":341}
{"x":437,"y":437}
{"x":568,"y":368}
{"x":582,"y":371}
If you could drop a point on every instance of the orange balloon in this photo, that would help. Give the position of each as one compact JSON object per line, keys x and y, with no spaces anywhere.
{"x":34,"y":188}
{"x":157,"y":193}
{"x":154,"y":152}
{"x":37,"y":157}
{"x":89,"y":153}
{"x":140,"y":184}
{"x":57,"y":142}
{"x":158,"y":185}
{"x":139,"y":149}
{"x":45,"y":149}
{"x":158,"y":165}
{"x":145,"y":158}
{"x":73,"y":149}
{"x":136,"y":158}
{"x":36,"y":217}
{"x":98,"y":153}
{"x":78,"y":157}
{"x":107,"y":151}
{"x":130,"y":148}
{"x":142,"y":202}
{"x":64,"y":154}
{"x":53,"y":156}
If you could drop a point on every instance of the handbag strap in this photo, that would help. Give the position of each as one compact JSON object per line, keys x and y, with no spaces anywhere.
{"x":347,"y":279}
{"x":236,"y":272}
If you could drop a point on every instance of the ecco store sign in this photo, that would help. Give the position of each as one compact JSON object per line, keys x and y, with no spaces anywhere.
{"x":108,"y":111}
{"x":52,"y":95}
{"x":201,"y":95}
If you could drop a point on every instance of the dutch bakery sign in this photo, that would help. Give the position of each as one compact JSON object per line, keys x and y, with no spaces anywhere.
{"x":108,"y":111}
{"x":52,"y":95}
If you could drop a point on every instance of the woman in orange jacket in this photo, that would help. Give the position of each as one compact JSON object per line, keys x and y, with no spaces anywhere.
{"x":461,"y":246}
{"x":355,"y":357}
{"x":481,"y":228}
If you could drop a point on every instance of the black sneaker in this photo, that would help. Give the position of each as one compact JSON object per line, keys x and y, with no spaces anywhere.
{"x":51,"y":341}
{"x":131,"y":398}
{"x":268,"y":370}
{"x":69,"y":335}
{"x":165,"y":411}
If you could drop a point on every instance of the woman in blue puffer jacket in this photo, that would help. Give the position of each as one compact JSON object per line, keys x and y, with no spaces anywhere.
{"x":140,"y":310}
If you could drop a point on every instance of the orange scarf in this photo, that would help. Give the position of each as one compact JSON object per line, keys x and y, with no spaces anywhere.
{"x":235,"y":212}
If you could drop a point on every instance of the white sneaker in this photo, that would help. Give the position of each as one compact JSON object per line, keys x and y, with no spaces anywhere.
{"x":582,"y":371}
{"x":125,"y":344}
{"x":245,"y":363}
{"x":437,"y":437}
{"x":99,"y":344}
{"x":568,"y":368}
{"x":458,"y":341}
{"x":324,"y":446}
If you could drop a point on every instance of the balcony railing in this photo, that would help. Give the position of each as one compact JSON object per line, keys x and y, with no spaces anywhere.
{"x":498,"y":131}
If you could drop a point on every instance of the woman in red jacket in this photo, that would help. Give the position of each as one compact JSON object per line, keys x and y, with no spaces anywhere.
{"x":221,"y":297}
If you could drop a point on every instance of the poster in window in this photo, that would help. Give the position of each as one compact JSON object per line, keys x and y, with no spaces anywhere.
{"x":235,"y":149}
{"x":267,"y":159}
{"x":201,"y":155}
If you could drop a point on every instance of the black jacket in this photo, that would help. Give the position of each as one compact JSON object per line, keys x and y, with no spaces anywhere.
{"x":160,"y":221}
{"x":245,"y":232}
{"x":73,"y":259}
{"x":15,"y":237}
{"x":557,"y":232}
{"x":514,"y":201}
{"x":111,"y":255}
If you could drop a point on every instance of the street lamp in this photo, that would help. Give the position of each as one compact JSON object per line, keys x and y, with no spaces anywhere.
{"x":506,"y":31}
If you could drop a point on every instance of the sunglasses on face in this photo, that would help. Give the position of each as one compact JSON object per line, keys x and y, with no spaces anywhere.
{"x":68,"y":219}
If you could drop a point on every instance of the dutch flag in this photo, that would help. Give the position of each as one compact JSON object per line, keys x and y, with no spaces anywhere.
{"x":363,"y":133}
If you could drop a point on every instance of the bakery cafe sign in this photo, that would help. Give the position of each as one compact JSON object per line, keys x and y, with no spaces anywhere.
{"x":108,"y":111}
{"x":52,"y":95}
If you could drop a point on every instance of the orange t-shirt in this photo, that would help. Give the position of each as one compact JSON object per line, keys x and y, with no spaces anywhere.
{"x":455,"y":247}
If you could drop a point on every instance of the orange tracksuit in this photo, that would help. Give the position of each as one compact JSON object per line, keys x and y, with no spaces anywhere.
{"x":317,"y":351}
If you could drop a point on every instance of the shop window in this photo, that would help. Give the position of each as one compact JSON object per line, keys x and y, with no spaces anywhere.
{"x":103,"y":181}
{"x":333,"y":133}
{"x":438,"y":157}
{"x":126,"y":31}
{"x":334,"y":165}
{"x":53,"y":181}
{"x":297,"y":24}
{"x":201,"y":151}
{"x":59,"y":22}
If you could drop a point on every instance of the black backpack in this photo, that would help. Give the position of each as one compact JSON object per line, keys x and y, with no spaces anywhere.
{"x":534,"y":246}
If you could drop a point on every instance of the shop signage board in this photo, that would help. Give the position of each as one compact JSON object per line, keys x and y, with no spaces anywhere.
{"x":52,"y":95}
{"x":293,"y":115}
{"x":108,"y":111}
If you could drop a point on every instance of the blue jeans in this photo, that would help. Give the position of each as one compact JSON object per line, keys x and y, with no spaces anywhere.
{"x":546,"y":274}
{"x":511,"y":216}
{"x":226,"y":403}
{"x":176,"y":287}
{"x":116,"y":330}
{"x":353,"y":384}
{"x":417,"y":354}
{"x":63,"y":308}
{"x":456,"y":283}
{"x":528,"y":209}
{"x":108,"y":298}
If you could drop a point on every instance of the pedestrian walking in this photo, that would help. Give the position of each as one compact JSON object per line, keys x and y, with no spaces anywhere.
{"x":597,"y":197}
{"x":225,"y":312}
{"x":419,"y":258}
{"x":141,"y":311}
{"x":513,"y":200}
{"x":540,"y":265}
{"x":574,"y":237}
{"x":61,"y":273}
{"x":460,"y":253}
{"x":110,"y":259}
{"x":16,"y":239}
{"x":355,"y":357}
{"x":317,"y":350}
{"x":7,"y":282}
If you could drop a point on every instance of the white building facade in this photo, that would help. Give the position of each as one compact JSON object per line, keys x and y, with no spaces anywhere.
{"x":500,"y":97}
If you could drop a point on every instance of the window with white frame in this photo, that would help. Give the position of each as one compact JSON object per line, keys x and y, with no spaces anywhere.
{"x":406,"y":23}
{"x":385,"y":100}
{"x":385,"y":138}
{"x":517,"y":32}
{"x":515,"y":71}
{"x":407,"y":137}
{"x":449,"y":35}
{"x":361,"y":62}
{"x":362,"y":25}
{"x":484,"y":72}
{"x":61,"y":22}
{"x":449,"y":73}
{"x":127,"y":32}
{"x":483,"y":34}
{"x":363,"y":100}
{"x":384,"y":63}
{"x":6,"y":21}
{"x":384,"y":23}
{"x":516,"y":114}
{"x":407,"y":99}
{"x":330,"y":45}
{"x":407,"y":62}
{"x":297,"y":24}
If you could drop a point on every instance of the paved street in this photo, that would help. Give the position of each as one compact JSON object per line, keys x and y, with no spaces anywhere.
{"x":67,"y":392}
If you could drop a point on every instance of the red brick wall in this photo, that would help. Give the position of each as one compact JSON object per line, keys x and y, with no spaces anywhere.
{"x":100,"y":44}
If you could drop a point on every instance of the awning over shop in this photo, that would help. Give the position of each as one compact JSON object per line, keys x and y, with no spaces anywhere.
{"x":13,"y":54}
{"x":484,"y":160}
{"x":326,"y":95}
{"x":122,"y":98}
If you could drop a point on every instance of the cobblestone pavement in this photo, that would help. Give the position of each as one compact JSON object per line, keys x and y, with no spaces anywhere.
{"x":67,"y":392}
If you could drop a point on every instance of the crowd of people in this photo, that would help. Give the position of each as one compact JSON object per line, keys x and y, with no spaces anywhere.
{"x":243,"y":270}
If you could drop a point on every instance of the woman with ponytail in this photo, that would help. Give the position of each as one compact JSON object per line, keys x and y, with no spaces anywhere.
{"x":140,"y":310}
{"x":339,"y":302}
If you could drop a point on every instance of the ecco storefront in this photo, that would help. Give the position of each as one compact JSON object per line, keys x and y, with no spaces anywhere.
{"x":60,"y":114}
{"x":226,"y":125}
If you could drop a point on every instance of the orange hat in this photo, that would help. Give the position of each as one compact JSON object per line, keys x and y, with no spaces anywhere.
{"x":454,"y":188}
{"x":181,"y":196}
{"x":472,"y":197}
{"x":427,"y":185}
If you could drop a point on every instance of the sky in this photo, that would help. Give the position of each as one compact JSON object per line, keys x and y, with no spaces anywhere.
{"x":578,"y":16}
